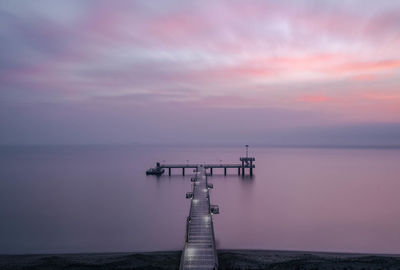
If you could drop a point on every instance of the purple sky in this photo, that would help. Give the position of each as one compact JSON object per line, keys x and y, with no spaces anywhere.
{"x":267,"y":72}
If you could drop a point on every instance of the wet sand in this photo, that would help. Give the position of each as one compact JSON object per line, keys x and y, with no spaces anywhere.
{"x":228,"y":259}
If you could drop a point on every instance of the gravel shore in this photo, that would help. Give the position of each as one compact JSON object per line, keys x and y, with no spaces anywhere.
{"x":228,"y":259}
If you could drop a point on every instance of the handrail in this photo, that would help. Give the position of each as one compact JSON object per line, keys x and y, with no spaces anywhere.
{"x":212,"y":231}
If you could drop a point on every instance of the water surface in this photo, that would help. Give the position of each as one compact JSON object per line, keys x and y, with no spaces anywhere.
{"x":97,"y":199}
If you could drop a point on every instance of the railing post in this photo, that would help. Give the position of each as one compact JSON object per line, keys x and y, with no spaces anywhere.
{"x":187,"y":228}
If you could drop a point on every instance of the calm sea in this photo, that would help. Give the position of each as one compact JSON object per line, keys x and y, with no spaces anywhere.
{"x":64,"y":199}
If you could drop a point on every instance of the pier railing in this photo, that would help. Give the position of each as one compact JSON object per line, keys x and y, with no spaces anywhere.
{"x":246,"y":163}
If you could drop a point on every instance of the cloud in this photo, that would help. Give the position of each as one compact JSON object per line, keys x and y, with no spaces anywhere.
{"x":315,"y":99}
{"x":340,"y":58}
{"x":379,"y":65}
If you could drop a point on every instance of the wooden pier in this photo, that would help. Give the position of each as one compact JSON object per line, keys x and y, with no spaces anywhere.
{"x":199,"y":251}
{"x":246,"y":163}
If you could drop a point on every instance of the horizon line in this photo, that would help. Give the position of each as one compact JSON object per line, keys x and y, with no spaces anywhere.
{"x":260,"y":145}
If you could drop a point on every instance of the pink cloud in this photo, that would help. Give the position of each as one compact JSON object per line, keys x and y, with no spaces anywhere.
{"x":365,"y":77}
{"x":378,"y":65}
{"x":383,"y":24}
{"x":213,"y":48}
{"x":383,"y":96}
{"x":318,"y":98}
{"x":178,"y":26}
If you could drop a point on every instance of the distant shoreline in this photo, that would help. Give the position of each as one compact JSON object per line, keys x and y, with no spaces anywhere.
{"x":228,"y":259}
{"x":257,"y":145}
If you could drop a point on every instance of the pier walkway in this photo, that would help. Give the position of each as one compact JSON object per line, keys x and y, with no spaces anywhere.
{"x":199,"y":251}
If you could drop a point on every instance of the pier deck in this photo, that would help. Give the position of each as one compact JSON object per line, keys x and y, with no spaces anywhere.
{"x":206,"y":166}
{"x":247,"y":163}
{"x":199,"y":251}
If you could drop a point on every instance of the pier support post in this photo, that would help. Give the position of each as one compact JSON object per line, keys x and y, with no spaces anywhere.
{"x":211,"y":171}
{"x":169,"y":171}
{"x":238,"y":170}
{"x":242,"y":168}
{"x":225,"y":171}
{"x":183,"y":171}
{"x":251,"y":168}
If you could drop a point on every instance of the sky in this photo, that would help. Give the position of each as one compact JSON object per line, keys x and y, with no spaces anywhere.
{"x":200,"y":72}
